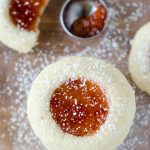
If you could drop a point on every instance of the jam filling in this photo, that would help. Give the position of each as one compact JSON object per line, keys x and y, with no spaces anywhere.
{"x":25,"y":13}
{"x":79,"y":107}
{"x":90,"y":25}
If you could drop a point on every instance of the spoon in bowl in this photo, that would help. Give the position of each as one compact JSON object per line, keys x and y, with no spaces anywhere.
{"x":84,"y":19}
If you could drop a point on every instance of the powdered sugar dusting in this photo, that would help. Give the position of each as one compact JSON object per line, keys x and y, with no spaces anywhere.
{"x":113,"y":48}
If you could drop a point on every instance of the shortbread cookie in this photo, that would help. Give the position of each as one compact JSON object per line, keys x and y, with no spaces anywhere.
{"x":19,"y":21}
{"x":81,"y":103}
{"x":139,"y":59}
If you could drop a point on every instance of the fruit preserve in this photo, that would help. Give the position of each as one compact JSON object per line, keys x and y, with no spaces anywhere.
{"x":79,"y":107}
{"x":88,"y":26}
{"x":25,"y":13}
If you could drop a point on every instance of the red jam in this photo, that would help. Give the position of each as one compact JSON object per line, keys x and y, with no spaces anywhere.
{"x":90,"y":25}
{"x":79,"y":107}
{"x":25,"y":13}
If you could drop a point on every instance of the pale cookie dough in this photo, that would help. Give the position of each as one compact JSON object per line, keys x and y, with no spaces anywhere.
{"x":139,"y":59}
{"x":117,"y":89}
{"x":18,"y":39}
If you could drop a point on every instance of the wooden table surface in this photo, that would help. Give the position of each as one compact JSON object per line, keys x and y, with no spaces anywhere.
{"x":17,"y":71}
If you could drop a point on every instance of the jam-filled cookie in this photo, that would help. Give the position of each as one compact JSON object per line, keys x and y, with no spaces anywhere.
{"x":81,"y":103}
{"x":19,"y":21}
{"x":139,"y":59}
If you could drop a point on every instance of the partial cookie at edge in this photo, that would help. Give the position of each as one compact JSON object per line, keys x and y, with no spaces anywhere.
{"x":139,"y":58}
{"x":18,"y":39}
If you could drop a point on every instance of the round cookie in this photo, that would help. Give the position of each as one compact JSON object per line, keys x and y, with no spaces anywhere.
{"x":139,"y":58}
{"x":14,"y":37}
{"x":43,"y":101}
